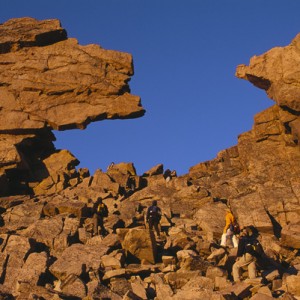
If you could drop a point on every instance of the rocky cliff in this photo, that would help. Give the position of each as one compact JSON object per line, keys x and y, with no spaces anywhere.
{"x":48,"y":81}
{"x":48,"y":249}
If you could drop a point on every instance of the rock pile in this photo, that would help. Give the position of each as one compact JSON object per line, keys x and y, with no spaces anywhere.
{"x":47,"y":247}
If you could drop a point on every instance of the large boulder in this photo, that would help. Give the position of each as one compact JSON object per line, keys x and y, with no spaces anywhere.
{"x":290,"y":236}
{"x":14,"y":252}
{"x":55,"y":233}
{"x":34,"y":268}
{"x":276,"y":71}
{"x":78,"y":260}
{"x":140,"y":245}
{"x":212,"y":226}
{"x":22,"y":215}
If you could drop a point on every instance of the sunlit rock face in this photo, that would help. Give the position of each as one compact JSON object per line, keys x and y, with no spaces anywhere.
{"x":260,"y":175}
{"x":277,"y":72}
{"x":48,"y":81}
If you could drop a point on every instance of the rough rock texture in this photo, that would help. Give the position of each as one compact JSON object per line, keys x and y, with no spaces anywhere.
{"x":48,"y":81}
{"x":281,"y":85}
{"x":48,"y":249}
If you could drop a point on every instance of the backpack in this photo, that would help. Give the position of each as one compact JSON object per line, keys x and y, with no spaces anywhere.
{"x":154,"y":213}
{"x":235,"y":228}
{"x":102,"y":210}
{"x":254,"y":248}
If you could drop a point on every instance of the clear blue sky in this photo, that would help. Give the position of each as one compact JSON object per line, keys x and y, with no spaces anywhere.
{"x":185,"y":55}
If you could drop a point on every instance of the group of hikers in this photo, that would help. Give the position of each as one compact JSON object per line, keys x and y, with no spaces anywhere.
{"x":249,"y":250}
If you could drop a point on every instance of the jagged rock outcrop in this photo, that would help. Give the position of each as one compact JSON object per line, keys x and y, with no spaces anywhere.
{"x":49,"y":81}
{"x":48,"y":246}
{"x":260,"y":175}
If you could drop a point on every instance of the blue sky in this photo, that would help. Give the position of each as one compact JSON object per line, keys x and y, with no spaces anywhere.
{"x":185,"y":55}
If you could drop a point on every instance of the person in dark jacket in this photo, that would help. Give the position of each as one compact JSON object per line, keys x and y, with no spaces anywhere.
{"x":100,"y":212}
{"x":247,"y":254}
{"x":153,"y":217}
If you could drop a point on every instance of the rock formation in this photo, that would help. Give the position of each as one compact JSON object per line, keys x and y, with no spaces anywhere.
{"x":48,"y":81}
{"x":48,"y":250}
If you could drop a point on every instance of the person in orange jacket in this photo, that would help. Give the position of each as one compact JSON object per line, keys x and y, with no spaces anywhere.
{"x":228,"y":230}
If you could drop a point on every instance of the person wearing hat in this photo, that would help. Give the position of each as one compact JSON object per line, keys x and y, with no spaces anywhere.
{"x":228,"y":229}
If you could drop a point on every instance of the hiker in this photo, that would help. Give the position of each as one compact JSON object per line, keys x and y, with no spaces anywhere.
{"x":153,"y":217}
{"x":110,"y":166}
{"x":100,"y":212}
{"x":228,"y":231}
{"x":131,"y":184}
{"x":173,"y":173}
{"x":167,"y":175}
{"x":249,"y":250}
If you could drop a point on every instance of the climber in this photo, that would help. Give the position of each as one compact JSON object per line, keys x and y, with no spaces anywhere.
{"x":228,"y":232}
{"x":100,"y":212}
{"x":153,"y":217}
{"x":249,"y":250}
{"x":130,"y":186}
{"x":110,"y":166}
{"x":167,"y":175}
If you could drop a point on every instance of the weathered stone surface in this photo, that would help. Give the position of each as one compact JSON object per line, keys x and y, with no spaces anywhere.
{"x":180,"y":278}
{"x":23,"y":215}
{"x":62,"y":205}
{"x":114,"y":273}
{"x":51,"y":82}
{"x":65,"y":85}
{"x":293,"y":284}
{"x":138,"y":287}
{"x":290,"y":236}
{"x":240,"y":290}
{"x":18,"y":33}
{"x":77,"y":260}
{"x":27,"y":291}
{"x":60,"y":171}
{"x":108,"y":261}
{"x":123,"y":168}
{"x":193,"y":293}
{"x":251,"y":210}
{"x":120,"y":286}
{"x":34,"y":268}
{"x":156,"y":170}
{"x":276,"y":72}
{"x":140,"y":243}
{"x":56,"y":233}
{"x":101,"y":291}
{"x":103,"y":183}
{"x":163,"y":291}
{"x":74,"y":286}
{"x":212,"y":226}
{"x":178,"y":239}
{"x":260,"y":296}
{"x":213,"y":272}
{"x":14,"y":250}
